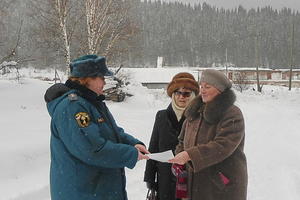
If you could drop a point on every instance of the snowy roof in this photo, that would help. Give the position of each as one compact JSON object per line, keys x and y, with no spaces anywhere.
{"x":10,"y":63}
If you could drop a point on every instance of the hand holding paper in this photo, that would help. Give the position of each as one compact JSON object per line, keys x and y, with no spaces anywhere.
{"x":142,"y":150}
{"x":161,"y":157}
{"x":181,"y":158}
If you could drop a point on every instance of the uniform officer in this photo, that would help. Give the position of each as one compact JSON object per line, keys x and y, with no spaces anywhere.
{"x":88,"y":150}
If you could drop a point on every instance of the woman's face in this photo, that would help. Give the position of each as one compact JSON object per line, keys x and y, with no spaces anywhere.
{"x":208,"y":92}
{"x":97,"y":85}
{"x":182,"y":97}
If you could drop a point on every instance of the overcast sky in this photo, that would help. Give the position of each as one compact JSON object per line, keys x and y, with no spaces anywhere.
{"x":294,"y":4}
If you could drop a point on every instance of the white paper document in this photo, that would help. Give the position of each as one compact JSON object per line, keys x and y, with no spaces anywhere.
{"x":161,"y":157}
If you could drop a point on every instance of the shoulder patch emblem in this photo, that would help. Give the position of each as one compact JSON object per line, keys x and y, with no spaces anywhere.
{"x":83,"y":119}
{"x":72,"y":97}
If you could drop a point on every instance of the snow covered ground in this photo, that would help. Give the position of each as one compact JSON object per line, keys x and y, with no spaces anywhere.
{"x":272,"y":138}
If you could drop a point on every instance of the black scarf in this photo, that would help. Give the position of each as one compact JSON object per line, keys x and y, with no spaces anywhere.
{"x":85,"y":92}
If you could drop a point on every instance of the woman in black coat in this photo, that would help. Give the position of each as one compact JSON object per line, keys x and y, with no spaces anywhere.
{"x":182,"y":89}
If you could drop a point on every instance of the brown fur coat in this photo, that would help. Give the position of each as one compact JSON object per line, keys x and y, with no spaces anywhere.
{"x":213,"y":135}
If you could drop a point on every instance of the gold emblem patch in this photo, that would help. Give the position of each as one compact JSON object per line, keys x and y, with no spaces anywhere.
{"x":83,"y":119}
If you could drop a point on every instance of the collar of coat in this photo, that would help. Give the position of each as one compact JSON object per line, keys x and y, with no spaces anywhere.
{"x":173,"y":119}
{"x":84,"y":91}
{"x":213,"y":111}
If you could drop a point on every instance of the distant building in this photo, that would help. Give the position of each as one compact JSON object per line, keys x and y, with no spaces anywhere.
{"x":158,"y":78}
{"x":266,"y":76}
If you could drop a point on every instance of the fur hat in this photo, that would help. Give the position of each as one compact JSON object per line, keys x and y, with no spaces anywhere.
{"x":215,"y":78}
{"x":185,"y":80}
{"x":89,"y":66}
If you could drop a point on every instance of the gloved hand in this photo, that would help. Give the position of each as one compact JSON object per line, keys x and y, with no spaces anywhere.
{"x":151,"y":185}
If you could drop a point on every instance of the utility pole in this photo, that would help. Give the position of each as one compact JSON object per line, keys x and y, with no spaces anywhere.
{"x":256,"y":61}
{"x":226,"y":63}
{"x":292,"y":54}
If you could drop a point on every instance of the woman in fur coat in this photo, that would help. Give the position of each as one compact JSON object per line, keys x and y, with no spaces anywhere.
{"x":211,"y":142}
{"x":182,"y":89}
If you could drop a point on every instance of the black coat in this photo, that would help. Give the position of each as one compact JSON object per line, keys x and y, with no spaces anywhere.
{"x":164,"y":137}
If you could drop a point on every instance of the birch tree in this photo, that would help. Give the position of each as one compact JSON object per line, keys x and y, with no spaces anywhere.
{"x":61,"y":8}
{"x":55,"y":26}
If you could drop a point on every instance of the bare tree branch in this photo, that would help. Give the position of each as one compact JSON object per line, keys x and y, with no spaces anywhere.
{"x":13,"y":51}
{"x":108,"y":24}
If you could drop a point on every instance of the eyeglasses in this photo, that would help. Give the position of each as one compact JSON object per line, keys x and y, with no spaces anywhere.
{"x":184,"y":94}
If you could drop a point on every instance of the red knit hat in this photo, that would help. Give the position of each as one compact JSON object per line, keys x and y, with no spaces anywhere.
{"x":183,"y":79}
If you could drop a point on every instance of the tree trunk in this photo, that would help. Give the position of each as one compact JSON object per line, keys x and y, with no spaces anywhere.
{"x":61,"y":8}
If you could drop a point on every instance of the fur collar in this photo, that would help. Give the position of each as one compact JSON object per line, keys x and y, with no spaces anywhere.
{"x":213,"y":111}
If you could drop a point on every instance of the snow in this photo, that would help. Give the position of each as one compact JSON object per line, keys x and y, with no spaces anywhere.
{"x":272,"y":136}
{"x":10,"y":63}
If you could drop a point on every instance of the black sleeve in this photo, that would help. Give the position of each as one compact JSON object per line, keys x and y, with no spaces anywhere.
{"x":151,"y":165}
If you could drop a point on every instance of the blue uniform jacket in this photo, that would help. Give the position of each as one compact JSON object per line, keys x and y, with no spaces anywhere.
{"x":87,"y":163}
